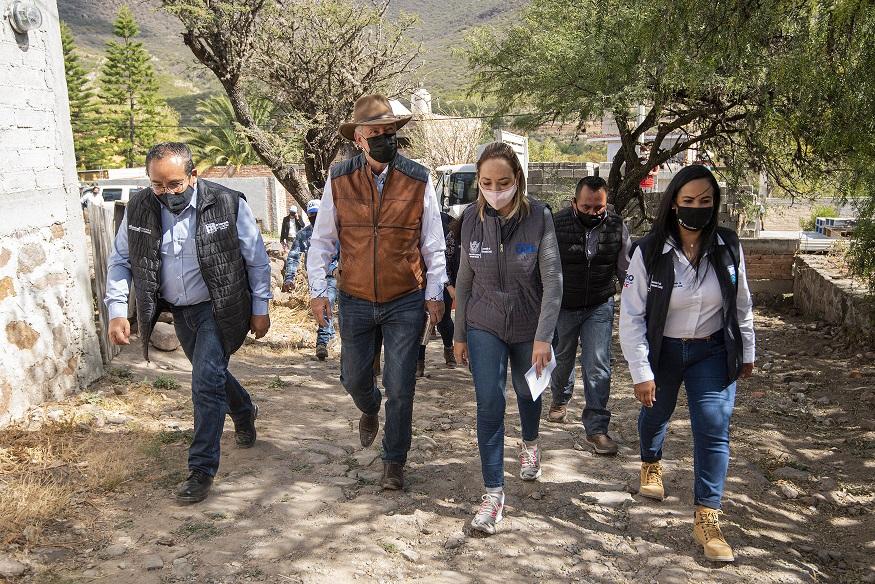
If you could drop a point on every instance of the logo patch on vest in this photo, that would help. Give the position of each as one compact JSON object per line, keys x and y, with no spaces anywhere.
{"x":140,"y":229}
{"x":655,"y":284}
{"x":214,"y":227}
{"x":629,"y":279}
{"x":732,"y":275}
{"x":526,"y":248}
{"x":476,"y":250}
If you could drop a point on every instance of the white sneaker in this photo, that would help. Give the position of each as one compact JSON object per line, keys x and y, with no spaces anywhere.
{"x":530,"y":462}
{"x":489,"y":514}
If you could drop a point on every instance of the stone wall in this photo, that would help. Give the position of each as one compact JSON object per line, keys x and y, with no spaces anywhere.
{"x":821,"y":291}
{"x":47,"y":326}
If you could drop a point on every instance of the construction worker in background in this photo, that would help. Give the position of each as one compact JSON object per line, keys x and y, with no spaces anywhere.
{"x":298,"y":248}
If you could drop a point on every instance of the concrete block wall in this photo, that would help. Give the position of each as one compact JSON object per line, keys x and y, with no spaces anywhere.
{"x":47,"y":328}
{"x":554,"y":182}
{"x":769,"y":264}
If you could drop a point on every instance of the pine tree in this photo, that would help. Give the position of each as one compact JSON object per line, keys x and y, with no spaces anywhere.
{"x":130,"y":90}
{"x":88,"y":137}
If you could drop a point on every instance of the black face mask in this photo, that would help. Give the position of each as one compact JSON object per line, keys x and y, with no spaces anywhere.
{"x":383,"y":148}
{"x":587,"y":220}
{"x":590,"y":221}
{"x":176,"y":202}
{"x":694,"y":218}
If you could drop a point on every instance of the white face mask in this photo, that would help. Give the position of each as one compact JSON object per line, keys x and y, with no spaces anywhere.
{"x":499,"y":199}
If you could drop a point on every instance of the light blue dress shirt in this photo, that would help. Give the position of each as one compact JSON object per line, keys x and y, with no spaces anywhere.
{"x":181,"y":281}
{"x":380,"y":179}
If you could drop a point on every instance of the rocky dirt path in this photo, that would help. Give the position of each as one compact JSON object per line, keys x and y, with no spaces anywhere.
{"x":303,"y":505}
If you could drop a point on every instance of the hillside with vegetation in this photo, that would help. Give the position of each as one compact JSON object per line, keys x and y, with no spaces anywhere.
{"x":441,"y":29}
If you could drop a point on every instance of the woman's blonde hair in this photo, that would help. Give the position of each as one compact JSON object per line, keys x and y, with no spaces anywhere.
{"x":505,"y":152}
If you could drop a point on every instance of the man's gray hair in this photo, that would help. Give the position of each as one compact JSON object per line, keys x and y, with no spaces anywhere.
{"x":165,"y":149}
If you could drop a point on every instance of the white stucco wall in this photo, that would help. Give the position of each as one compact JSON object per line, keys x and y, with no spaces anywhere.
{"x":46,"y":313}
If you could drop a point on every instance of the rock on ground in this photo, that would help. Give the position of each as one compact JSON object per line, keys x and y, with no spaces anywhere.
{"x":164,"y":337}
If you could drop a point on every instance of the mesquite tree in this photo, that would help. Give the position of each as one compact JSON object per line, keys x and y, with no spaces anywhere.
{"x":708,"y":74}
{"x":311,"y":59}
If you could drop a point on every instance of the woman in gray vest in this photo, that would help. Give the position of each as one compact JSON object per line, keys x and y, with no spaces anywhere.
{"x":508,"y":294}
{"x":686,"y":317}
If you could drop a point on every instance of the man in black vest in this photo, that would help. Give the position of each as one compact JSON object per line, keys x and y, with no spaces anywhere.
{"x":594,"y":246}
{"x":193,"y":247}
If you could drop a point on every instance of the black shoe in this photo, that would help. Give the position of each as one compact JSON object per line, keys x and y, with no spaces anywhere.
{"x":195,"y":488}
{"x":321,"y":352}
{"x":245,"y":433}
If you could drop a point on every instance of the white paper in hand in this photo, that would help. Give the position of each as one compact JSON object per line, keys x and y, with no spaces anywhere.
{"x":537,"y":385}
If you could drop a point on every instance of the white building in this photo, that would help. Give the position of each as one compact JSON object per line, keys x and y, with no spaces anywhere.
{"x":47,"y":328}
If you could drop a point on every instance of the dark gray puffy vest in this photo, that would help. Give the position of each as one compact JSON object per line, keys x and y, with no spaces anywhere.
{"x":587,"y":283}
{"x":506,"y":291}
{"x":218,"y":252}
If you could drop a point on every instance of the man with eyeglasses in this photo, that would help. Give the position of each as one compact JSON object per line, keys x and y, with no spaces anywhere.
{"x":380,"y":210}
{"x":193,"y":247}
{"x":594,"y":248}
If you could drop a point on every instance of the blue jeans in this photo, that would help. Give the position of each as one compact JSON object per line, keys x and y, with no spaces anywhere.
{"x":400,"y":322}
{"x":592,"y":327}
{"x":489,"y":356}
{"x":701,"y":366}
{"x":214,"y":391}
{"x":324,"y":334}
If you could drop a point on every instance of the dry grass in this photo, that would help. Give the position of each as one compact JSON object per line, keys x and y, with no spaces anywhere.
{"x":55,"y":469}
{"x":292,"y":324}
{"x":31,"y":500}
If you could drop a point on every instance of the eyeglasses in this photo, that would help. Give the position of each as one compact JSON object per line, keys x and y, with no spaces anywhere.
{"x":174,"y":187}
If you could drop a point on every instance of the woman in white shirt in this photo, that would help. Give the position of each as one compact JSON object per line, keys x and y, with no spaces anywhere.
{"x":686,"y":317}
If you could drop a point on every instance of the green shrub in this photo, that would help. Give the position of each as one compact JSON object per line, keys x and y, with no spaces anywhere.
{"x":861,"y":255}
{"x":818,"y":211}
{"x":165,"y":382}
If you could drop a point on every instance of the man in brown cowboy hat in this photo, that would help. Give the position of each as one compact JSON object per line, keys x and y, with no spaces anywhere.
{"x":380,"y":209}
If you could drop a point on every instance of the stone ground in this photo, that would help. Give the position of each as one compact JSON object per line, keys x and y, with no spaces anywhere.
{"x":303,"y":506}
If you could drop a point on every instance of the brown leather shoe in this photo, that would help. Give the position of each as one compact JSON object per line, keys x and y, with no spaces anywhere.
{"x":557,"y":413}
{"x":369,"y":427}
{"x":393,"y":476}
{"x":602,"y":444}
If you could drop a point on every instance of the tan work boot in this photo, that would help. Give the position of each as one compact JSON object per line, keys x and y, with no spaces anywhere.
{"x":557,"y":413}
{"x":707,"y":532}
{"x":651,"y":481}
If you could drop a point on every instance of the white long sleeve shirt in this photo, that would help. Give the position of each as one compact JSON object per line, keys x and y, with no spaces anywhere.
{"x":325,"y":241}
{"x":694,"y":311}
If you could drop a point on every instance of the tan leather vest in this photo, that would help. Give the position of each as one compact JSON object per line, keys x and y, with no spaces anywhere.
{"x":380,"y":257}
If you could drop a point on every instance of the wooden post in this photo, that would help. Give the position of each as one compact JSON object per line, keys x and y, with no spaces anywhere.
{"x":103,"y":229}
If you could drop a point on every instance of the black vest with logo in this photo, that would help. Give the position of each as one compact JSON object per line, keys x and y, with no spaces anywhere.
{"x":587,"y":282}
{"x":661,"y":284}
{"x":218,"y":252}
